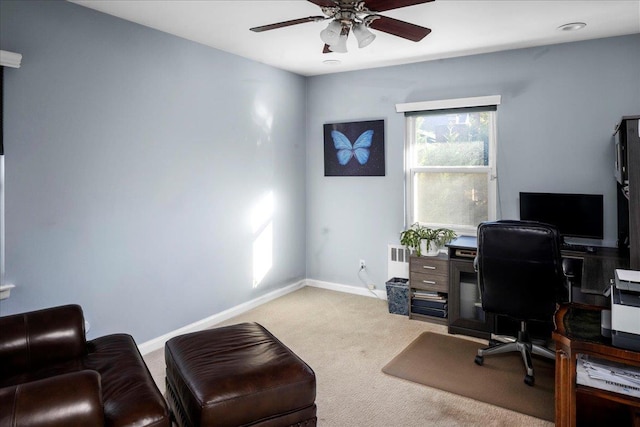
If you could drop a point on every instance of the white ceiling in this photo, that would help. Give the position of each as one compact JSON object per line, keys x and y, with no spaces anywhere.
{"x":459,"y":27}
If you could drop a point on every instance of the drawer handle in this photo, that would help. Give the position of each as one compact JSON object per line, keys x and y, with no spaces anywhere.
{"x":429,"y":267}
{"x":429,"y":282}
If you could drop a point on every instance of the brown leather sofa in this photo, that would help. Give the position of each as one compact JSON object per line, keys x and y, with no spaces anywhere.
{"x":51,"y":376}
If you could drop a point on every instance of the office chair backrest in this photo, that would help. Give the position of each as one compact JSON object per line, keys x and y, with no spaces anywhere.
{"x":519,"y":268}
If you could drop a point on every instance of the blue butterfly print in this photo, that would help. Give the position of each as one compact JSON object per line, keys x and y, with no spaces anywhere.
{"x":359,"y":149}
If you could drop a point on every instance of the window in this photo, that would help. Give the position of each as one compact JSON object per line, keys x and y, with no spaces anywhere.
{"x":13,"y":60}
{"x":450,"y":164}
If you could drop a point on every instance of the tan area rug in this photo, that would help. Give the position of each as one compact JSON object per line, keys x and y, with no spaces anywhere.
{"x":446,"y":363}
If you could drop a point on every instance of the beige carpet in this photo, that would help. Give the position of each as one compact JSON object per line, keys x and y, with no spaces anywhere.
{"x":447,"y":363}
{"x":347,"y":339}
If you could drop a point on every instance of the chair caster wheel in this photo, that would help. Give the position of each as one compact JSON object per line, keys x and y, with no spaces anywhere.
{"x":528,"y":380}
{"x":479,"y":360}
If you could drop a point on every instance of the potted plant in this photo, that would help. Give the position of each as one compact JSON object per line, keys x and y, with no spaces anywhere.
{"x":442,"y":236}
{"x":419,"y":239}
{"x":412,"y":237}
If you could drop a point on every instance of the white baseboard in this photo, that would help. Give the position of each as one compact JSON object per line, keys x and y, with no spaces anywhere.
{"x":158,"y":343}
{"x":357,"y":290}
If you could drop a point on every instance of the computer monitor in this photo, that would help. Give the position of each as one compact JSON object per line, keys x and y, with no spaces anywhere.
{"x":575,"y":215}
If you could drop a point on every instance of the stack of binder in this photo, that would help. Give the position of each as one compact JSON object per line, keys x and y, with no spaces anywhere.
{"x":429,"y":303}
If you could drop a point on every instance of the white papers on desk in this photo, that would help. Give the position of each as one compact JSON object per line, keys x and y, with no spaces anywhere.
{"x":607,"y":375}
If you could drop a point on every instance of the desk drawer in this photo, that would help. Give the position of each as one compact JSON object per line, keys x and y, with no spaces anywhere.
{"x":430,"y":265}
{"x":429,"y":282}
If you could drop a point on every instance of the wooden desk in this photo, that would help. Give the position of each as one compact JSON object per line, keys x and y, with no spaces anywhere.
{"x":592,"y":272}
{"x":597,"y":268}
{"x":578,"y":332}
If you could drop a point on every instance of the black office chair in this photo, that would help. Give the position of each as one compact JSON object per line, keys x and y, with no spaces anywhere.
{"x":520,"y":275}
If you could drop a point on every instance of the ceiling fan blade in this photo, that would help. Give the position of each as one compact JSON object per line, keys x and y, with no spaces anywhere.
{"x":324,"y":3}
{"x":288,"y":23}
{"x":399,"y":28}
{"x":382,"y":5}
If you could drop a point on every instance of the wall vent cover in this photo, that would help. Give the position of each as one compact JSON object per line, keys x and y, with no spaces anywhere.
{"x":397,"y":262}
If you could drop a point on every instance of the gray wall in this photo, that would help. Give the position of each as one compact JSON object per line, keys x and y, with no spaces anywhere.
{"x":134,"y":160}
{"x":559,"y":107}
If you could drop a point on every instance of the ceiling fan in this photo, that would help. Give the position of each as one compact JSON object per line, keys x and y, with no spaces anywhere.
{"x":357,"y":16}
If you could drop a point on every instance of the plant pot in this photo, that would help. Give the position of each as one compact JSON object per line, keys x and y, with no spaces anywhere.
{"x":432,"y":251}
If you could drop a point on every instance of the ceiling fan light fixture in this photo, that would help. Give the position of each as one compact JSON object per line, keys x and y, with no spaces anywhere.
{"x":358,"y":16}
{"x":363,"y":35}
{"x":331,"y":34}
{"x":341,"y":45}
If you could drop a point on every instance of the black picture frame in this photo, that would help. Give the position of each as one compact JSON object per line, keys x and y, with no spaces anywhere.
{"x":354,"y":148}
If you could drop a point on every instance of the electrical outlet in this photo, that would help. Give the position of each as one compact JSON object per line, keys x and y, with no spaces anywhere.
{"x":372,"y":287}
{"x":362,"y":265}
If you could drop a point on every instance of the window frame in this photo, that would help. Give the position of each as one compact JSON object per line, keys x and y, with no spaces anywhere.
{"x":413,"y":110}
{"x":12,"y":60}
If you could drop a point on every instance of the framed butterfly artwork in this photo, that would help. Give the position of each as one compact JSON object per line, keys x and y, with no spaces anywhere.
{"x":354,"y":149}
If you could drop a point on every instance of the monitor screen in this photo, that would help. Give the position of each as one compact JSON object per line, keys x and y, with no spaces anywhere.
{"x":575,"y":215}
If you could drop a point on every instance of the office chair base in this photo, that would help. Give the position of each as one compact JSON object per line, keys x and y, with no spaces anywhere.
{"x":529,"y":380}
{"x":525,"y":347}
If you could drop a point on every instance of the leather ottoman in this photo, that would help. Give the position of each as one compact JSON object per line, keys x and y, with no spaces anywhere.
{"x":239,"y":375}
